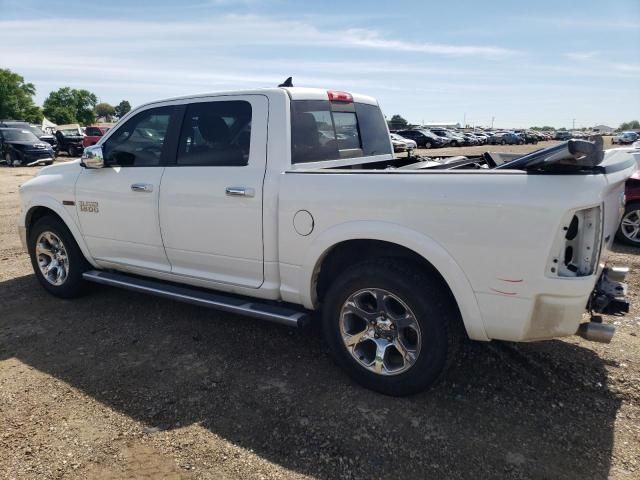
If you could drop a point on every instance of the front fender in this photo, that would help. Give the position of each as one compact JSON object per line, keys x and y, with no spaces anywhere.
{"x":63,"y":212}
{"x":421,"y":244}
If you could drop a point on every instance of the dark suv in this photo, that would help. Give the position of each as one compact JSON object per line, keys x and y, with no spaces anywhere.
{"x":22,"y":147}
{"x":423,"y":138}
{"x":37,"y":131}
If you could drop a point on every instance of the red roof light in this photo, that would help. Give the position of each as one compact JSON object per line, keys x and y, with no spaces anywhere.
{"x":335,"y":96}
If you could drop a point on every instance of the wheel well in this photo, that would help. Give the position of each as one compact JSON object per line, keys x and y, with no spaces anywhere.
{"x":350,"y":252}
{"x":36,"y":213}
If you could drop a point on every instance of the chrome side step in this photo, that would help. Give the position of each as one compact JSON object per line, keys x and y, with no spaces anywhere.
{"x":204,"y":298}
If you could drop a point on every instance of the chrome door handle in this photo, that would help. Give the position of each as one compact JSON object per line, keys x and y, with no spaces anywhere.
{"x":142,"y":187}
{"x":240,"y":192}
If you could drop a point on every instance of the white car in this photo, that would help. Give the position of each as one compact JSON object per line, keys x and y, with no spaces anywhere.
{"x":409,"y":144}
{"x":278,"y":202}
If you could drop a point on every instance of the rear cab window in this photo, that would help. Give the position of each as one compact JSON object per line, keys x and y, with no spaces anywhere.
{"x":323,"y":130}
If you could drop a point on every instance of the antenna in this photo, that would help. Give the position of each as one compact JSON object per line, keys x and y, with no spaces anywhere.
{"x":287,"y":83}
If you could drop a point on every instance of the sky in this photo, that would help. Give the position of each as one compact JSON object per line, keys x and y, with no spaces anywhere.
{"x":516,"y":64}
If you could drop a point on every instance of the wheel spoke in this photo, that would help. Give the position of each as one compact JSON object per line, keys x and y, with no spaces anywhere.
{"x":409,"y":356}
{"x":352,"y":307}
{"x":352,"y":340}
{"x":381,"y":350}
{"x":41,"y":249}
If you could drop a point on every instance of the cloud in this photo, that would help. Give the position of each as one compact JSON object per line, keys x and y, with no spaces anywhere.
{"x":582,"y":55}
{"x":233,"y":30}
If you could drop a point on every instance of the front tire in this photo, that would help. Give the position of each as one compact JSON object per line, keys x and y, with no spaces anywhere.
{"x":629,"y":229}
{"x":56,"y":258}
{"x":391,"y":326}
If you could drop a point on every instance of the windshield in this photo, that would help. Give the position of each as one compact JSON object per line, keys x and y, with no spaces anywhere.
{"x":70,"y":132}
{"x":15,"y":135}
{"x":36,"y":131}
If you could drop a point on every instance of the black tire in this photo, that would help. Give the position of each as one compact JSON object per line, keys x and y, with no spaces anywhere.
{"x":74,"y":285}
{"x":503,"y":142}
{"x":632,"y":212}
{"x":428,"y":145}
{"x":433,"y":308}
{"x":8,"y":158}
{"x":454,"y":143}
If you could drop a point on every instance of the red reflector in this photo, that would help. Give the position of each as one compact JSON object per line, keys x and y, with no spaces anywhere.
{"x":335,"y":96}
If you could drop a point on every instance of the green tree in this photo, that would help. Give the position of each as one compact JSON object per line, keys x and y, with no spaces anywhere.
{"x":68,"y":105}
{"x":397,"y":123}
{"x":16,"y":98}
{"x":123,"y":108}
{"x":632,"y":125}
{"x":546,"y":127}
{"x":105,"y":110}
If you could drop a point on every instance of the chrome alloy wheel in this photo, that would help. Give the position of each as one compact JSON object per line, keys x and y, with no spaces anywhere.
{"x":380,"y":331}
{"x":630,"y":225}
{"x":52,"y":258}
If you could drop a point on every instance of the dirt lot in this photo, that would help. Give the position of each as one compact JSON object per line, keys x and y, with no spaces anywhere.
{"x":122,"y":385}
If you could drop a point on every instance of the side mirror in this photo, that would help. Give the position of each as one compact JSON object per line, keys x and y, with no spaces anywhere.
{"x":92,"y":157}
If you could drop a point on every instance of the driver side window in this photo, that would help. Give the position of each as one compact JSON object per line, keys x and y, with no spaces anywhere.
{"x":140,"y":141}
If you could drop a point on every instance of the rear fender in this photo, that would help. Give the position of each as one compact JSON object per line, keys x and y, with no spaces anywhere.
{"x":421,"y":244}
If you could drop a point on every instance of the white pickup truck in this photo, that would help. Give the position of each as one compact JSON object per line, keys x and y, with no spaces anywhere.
{"x":274,"y":203}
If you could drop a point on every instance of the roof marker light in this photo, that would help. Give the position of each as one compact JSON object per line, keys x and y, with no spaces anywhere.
{"x":335,"y":96}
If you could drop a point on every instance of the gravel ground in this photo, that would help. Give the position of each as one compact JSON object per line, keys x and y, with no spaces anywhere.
{"x":121,"y":385}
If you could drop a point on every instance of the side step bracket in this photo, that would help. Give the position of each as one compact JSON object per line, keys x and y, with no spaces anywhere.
{"x":227,"y":303}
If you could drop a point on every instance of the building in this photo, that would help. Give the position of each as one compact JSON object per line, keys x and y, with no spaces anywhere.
{"x":603,"y":129}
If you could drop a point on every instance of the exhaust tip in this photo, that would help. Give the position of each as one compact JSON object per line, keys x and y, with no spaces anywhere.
{"x":596,"y":332}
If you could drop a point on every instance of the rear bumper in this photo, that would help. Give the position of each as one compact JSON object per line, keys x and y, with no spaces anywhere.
{"x":556,"y":312}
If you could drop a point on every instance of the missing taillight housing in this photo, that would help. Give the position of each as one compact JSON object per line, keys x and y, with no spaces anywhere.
{"x":578,"y":247}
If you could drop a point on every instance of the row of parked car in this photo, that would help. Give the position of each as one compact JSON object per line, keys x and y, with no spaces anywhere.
{"x":423,"y":137}
{"x":443,"y":137}
{"x":22,"y":143}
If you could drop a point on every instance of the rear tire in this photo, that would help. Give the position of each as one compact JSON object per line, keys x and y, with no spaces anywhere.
{"x":52,"y":245}
{"x":407,"y":308}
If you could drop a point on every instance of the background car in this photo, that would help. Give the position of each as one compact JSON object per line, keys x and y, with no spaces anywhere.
{"x":453,"y":139}
{"x":562,"y":135}
{"x":407,"y":143}
{"x":625,"y":138}
{"x":93,"y":134}
{"x":529,"y":137}
{"x":423,"y":138}
{"x":22,"y":147}
{"x":70,"y":139}
{"x":629,"y":229}
{"x":35,"y":129}
{"x":506,"y":138}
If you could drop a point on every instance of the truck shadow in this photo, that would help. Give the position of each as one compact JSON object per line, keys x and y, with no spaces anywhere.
{"x":539,"y":410}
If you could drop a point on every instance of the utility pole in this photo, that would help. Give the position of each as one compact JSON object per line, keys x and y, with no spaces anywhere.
{"x":464,"y":121}
{"x":492,"y":119}
{"x":574,"y":124}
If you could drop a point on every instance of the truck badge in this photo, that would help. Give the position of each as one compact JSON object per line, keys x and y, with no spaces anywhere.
{"x":90,"y":207}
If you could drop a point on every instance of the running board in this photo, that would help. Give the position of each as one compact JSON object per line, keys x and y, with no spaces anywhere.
{"x":203,"y":298}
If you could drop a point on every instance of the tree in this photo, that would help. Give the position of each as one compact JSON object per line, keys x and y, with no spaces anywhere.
{"x":632,"y":125}
{"x":16,"y":98}
{"x":546,"y":127}
{"x":105,"y":110}
{"x":123,"y":108}
{"x":397,"y":123}
{"x":68,"y":105}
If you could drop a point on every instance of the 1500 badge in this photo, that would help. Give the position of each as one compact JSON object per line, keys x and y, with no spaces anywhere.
{"x":91,"y":207}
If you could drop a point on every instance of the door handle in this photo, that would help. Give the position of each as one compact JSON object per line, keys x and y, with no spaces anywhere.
{"x":240,"y":192}
{"x":142,"y":187}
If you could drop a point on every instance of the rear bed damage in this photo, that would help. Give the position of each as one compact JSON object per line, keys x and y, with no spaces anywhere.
{"x":582,"y":240}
